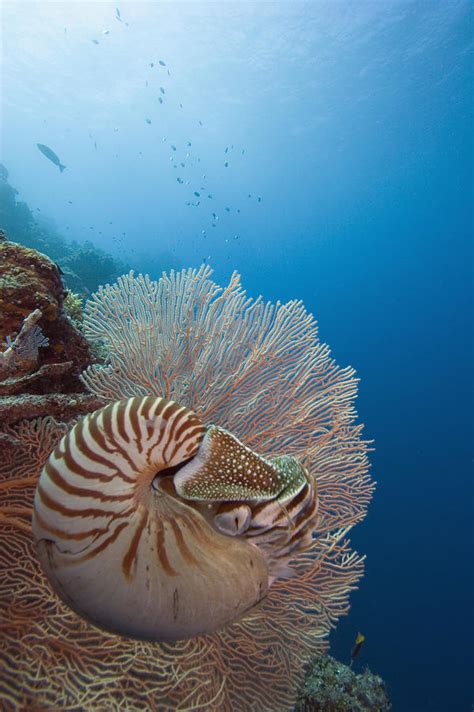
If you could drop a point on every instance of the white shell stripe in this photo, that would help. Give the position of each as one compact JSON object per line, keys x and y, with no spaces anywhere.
{"x":88,"y":485}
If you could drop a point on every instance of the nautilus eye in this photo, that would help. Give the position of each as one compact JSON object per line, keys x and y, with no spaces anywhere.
{"x":153,"y":526}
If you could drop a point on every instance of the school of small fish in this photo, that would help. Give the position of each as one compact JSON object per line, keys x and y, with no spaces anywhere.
{"x":181,"y":157}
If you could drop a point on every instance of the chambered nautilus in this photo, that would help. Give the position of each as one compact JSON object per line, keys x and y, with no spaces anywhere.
{"x":153,"y":525}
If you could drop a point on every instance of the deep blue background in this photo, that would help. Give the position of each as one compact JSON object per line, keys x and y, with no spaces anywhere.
{"x":356,"y":122}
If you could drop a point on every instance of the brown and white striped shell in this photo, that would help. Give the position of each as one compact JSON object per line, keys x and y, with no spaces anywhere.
{"x":152,"y":525}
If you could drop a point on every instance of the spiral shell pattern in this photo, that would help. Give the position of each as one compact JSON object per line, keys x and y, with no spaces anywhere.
{"x":120,"y":546}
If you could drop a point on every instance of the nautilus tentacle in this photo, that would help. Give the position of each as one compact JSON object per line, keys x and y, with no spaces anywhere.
{"x":154,"y":526}
{"x":270,"y":501}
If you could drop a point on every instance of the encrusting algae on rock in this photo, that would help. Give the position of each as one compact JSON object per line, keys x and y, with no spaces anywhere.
{"x":29,"y":281}
{"x":42,"y":350}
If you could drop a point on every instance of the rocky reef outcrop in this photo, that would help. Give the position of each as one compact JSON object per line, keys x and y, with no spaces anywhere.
{"x":42,"y":350}
{"x":331,"y":686}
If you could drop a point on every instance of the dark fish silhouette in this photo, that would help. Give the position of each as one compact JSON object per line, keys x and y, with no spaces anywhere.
{"x":49,"y":153}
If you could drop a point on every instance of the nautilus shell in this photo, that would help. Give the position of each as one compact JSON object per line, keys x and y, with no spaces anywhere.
{"x":153,"y":525}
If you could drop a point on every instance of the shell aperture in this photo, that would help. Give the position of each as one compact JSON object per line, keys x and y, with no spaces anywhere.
{"x":124,"y":549}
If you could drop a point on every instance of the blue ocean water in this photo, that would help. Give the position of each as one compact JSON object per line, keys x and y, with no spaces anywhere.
{"x":339,"y":137}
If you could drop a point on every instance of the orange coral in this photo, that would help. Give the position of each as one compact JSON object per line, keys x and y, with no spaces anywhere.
{"x":265,"y":375}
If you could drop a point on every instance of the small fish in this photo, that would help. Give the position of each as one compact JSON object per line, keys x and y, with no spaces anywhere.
{"x":173,"y":147}
{"x":358,"y":645}
{"x":198,"y":195}
{"x":95,"y":41}
{"x":215,"y":216}
{"x":117,"y":14}
{"x":180,"y":180}
{"x":250,"y":195}
{"x":228,"y":210}
{"x":226,"y":149}
{"x":243,"y":151}
{"x":70,"y":202}
{"x":160,"y":99}
{"x":162,"y":90}
{"x":180,"y":106}
{"x":210,"y":196}
{"x":189,"y":143}
{"x":49,"y":153}
{"x":95,"y":145}
{"x":226,"y":164}
{"x":163,"y":64}
{"x":200,"y":123}
{"x":152,"y":64}
{"x":148,"y":121}
{"x":183,"y":165}
{"x":259,"y":198}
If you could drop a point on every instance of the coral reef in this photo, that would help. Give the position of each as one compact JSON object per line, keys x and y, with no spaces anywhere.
{"x":30,"y":282}
{"x":88,"y":266}
{"x":331,"y":686}
{"x":84,"y":265}
{"x":73,"y":308}
{"x":260,"y":370}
